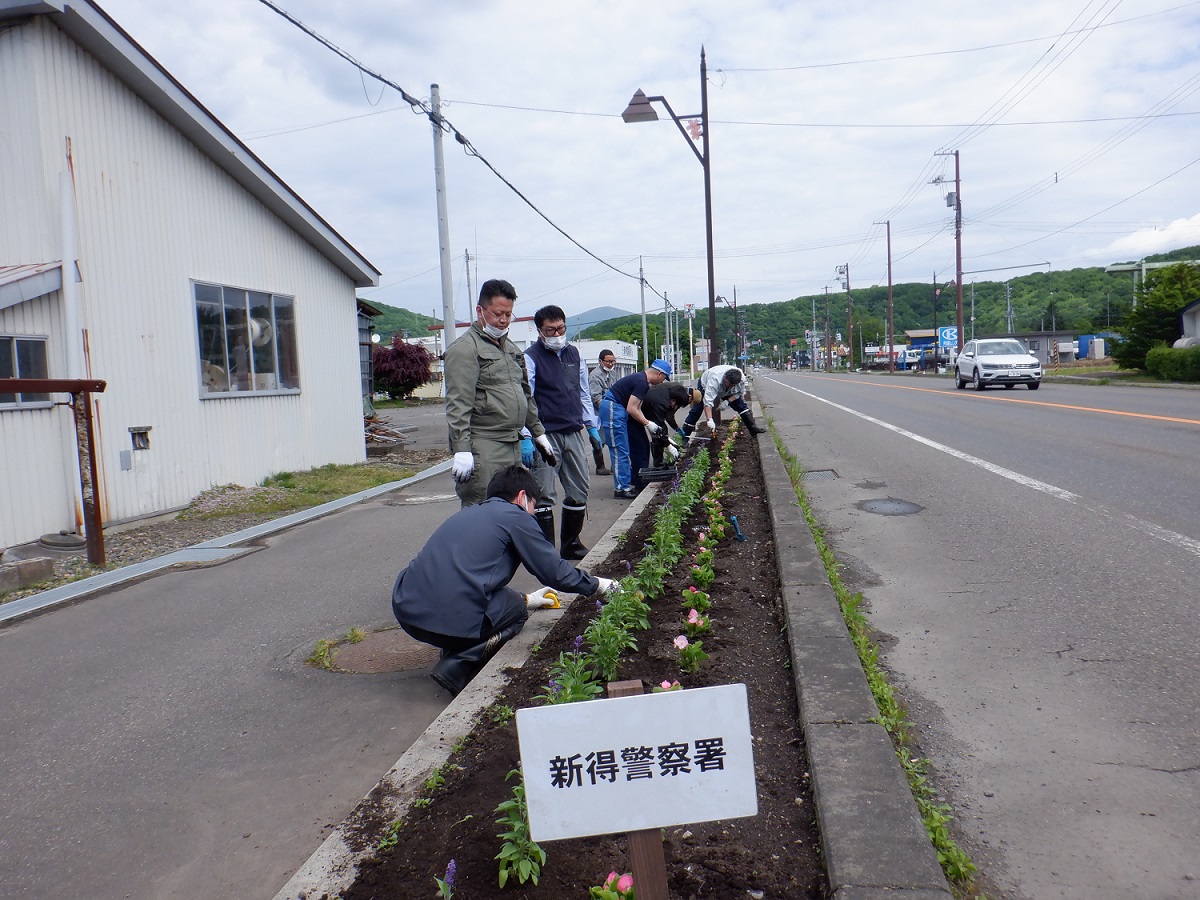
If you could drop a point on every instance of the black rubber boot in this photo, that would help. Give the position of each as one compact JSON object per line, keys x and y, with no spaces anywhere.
{"x":748,"y":418}
{"x":572,"y":524}
{"x":598,"y":456}
{"x":545,"y":520}
{"x":454,"y":671}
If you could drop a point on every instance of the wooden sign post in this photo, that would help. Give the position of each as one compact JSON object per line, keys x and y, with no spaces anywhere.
{"x":645,"y":846}
{"x":635,"y":763}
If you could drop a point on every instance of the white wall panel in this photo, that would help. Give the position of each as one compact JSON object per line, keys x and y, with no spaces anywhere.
{"x":154,"y":214}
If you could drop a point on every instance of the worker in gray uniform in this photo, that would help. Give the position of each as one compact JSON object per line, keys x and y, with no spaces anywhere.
{"x":488,"y":398}
{"x":720,"y":384}
{"x":455,"y":595}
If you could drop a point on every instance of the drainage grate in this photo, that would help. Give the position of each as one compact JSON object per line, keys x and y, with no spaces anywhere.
{"x":819,"y":475}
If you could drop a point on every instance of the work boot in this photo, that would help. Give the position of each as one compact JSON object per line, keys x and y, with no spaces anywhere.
{"x":455,"y":670}
{"x":748,"y":418}
{"x":598,"y":455}
{"x":572,"y":523}
{"x":545,"y":520}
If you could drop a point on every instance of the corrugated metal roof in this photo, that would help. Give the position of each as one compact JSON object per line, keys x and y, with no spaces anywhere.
{"x":27,"y":281}
{"x":94,"y":30}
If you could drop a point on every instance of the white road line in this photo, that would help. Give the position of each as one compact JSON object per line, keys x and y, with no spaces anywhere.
{"x":1163,"y":534}
{"x":1050,"y":489}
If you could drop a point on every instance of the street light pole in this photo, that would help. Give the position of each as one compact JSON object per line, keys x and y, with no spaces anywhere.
{"x":640,"y":110}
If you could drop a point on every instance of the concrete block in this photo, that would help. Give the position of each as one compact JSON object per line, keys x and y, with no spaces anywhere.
{"x":830,"y":683}
{"x":31,"y":571}
{"x":879,"y":893}
{"x":870,"y":828}
{"x":10,"y":579}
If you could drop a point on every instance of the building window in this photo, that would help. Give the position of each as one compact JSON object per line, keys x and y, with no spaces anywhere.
{"x":22,"y":357}
{"x":247,"y":341}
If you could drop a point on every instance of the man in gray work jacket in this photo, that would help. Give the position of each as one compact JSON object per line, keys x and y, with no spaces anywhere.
{"x":455,"y":594}
{"x":488,"y":399}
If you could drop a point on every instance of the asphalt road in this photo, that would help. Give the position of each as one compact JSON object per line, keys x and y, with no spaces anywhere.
{"x":1039,"y":613}
{"x":166,"y":739}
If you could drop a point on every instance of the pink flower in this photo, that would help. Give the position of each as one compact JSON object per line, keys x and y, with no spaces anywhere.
{"x":693,"y":589}
{"x":693,"y":617}
{"x":666,"y":685}
{"x":702,"y":538}
{"x":608,"y":882}
{"x":624,"y":884}
{"x":681,"y":642}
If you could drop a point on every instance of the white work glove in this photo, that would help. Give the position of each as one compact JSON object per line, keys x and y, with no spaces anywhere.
{"x":464,"y":465}
{"x":543,"y":598}
{"x":712,"y":426}
{"x":607,"y":585}
{"x":542,"y":443}
{"x":654,"y":428}
{"x":670,"y":454}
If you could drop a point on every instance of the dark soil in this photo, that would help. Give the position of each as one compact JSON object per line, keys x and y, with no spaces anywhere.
{"x":775,"y":854}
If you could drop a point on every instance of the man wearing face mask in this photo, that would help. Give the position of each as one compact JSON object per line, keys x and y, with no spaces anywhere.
{"x":558,"y":379}
{"x":488,"y":397}
{"x":600,"y":380}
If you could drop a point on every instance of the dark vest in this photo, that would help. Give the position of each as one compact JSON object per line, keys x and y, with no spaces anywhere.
{"x":556,"y":387}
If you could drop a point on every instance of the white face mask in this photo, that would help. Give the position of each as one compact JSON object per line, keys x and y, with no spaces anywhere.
{"x":493,"y":331}
{"x":555,"y":343}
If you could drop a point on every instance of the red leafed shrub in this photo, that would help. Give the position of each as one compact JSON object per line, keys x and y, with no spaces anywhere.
{"x":402,"y":368}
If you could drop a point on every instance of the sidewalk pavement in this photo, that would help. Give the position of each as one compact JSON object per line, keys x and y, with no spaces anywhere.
{"x":163,"y":738}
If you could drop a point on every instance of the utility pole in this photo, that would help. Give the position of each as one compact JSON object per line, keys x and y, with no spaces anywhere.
{"x":828,"y":335}
{"x":1008,"y":313}
{"x":470,"y":290}
{"x":812,"y":351}
{"x":958,"y":272}
{"x":845,"y":272}
{"x":936,"y":291}
{"x":439,"y":177}
{"x":645,"y":338}
{"x":891,"y":327}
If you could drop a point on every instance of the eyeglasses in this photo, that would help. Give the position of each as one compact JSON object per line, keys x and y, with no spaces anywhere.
{"x":553,"y":330}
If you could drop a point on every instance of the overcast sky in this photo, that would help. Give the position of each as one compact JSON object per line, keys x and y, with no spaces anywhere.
{"x":1076,"y":121}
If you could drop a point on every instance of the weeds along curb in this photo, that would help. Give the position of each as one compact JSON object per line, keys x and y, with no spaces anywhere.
{"x":334,"y":865}
{"x":872,"y":835}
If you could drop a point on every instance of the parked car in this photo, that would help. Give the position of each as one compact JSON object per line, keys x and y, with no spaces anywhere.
{"x":997,"y":361}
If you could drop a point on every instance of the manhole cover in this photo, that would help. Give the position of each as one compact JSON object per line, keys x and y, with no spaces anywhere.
{"x":62,"y":541}
{"x":889,"y":507}
{"x":384,"y":651}
{"x":819,"y":475}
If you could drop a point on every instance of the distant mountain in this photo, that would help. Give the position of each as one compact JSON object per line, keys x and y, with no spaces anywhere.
{"x":395,"y":319}
{"x":584,"y":320}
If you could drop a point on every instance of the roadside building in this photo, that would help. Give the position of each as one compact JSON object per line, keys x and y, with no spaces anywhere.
{"x":144,"y":245}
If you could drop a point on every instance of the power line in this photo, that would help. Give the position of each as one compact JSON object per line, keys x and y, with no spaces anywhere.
{"x":440,"y":121}
{"x":1033,"y":40}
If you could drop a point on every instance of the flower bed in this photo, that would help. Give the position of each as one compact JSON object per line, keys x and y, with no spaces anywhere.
{"x":737,"y":638}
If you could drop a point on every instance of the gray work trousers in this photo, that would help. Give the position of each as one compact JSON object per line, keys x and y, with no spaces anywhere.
{"x":573,"y":469}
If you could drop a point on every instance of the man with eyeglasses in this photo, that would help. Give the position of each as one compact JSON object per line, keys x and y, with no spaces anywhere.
{"x":488,"y":397}
{"x":455,"y":595}
{"x":600,"y":380}
{"x":559,"y":381}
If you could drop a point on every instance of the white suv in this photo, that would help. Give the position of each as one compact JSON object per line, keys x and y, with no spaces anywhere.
{"x":997,"y":361}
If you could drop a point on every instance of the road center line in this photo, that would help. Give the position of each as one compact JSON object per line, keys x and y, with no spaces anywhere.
{"x":1165,"y":535}
{"x":1042,"y":486}
{"x":975,"y":395}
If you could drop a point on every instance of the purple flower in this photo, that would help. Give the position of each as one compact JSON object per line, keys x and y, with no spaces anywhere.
{"x":578,"y":643}
{"x":629,"y":565}
{"x":450,"y":870}
{"x":553,"y":686}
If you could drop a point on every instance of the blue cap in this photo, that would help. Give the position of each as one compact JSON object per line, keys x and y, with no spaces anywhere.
{"x":663,"y":366}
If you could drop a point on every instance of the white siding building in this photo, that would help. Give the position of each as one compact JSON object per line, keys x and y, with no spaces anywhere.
{"x":217,"y":305}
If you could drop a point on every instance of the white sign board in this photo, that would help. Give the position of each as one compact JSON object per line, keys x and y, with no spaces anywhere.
{"x":628,"y":763}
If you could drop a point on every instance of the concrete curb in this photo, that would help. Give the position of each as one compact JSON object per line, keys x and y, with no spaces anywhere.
{"x":872,"y":836}
{"x":209,"y":552}
{"x":334,"y":865}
